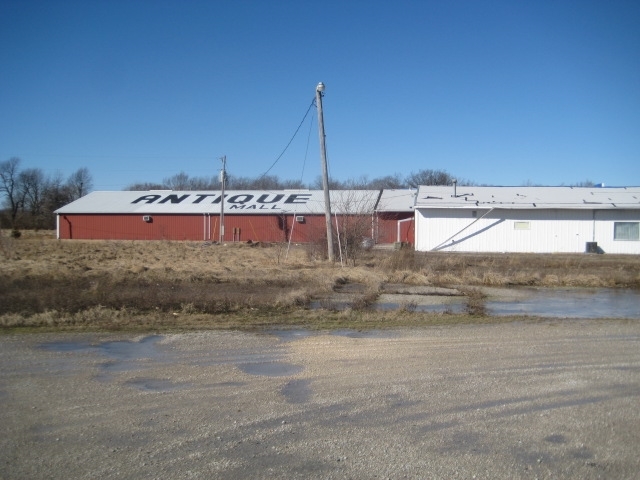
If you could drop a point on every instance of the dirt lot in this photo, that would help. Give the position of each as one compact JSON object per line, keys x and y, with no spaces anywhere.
{"x":553,"y":399}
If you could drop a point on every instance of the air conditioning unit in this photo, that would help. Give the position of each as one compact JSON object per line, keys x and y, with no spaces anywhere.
{"x":299,"y":219}
{"x":146,"y":218}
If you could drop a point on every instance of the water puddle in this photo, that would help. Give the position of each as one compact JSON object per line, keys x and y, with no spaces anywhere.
{"x":122,"y":355}
{"x":127,"y":356}
{"x":297,"y":391}
{"x":576,"y":303}
{"x":422,"y":303}
{"x":117,"y":350}
{"x":67,"y":346}
{"x":364,"y":333}
{"x":157,"y":385}
{"x":533,"y":301}
{"x":570,"y":303}
{"x":290,"y":335}
{"x":125,"y":350}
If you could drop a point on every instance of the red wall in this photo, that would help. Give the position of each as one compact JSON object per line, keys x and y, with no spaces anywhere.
{"x":257,"y":228}
{"x":131,"y":227}
{"x":387,"y":228}
{"x":269,"y":228}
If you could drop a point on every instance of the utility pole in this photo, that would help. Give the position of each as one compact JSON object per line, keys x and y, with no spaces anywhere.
{"x":325,"y":174}
{"x":223,"y":179}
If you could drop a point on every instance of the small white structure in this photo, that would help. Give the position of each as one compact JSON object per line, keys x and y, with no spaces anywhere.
{"x":528,"y":219}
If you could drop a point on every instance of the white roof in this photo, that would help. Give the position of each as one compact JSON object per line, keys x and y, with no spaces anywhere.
{"x":528,"y":197}
{"x":245,"y":202}
{"x":401,"y":200}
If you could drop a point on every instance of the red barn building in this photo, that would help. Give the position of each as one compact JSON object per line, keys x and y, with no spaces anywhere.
{"x":265,"y":216}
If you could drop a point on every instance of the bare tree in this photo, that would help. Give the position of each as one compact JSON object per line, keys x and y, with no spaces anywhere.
{"x":293,"y":184}
{"x":179,"y":181}
{"x":182,"y":181}
{"x":144,"y":186}
{"x":585,"y":183}
{"x":265,"y":182}
{"x":333,"y":184}
{"x":360,"y":183}
{"x":32,"y":187}
{"x":203,"y":183}
{"x":389,"y":181}
{"x":57,"y":193}
{"x":80,"y":183}
{"x":363,"y":183}
{"x":429,"y":177}
{"x":353,"y":224}
{"x":10,"y":187}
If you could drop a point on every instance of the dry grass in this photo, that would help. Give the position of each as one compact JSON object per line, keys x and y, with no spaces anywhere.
{"x":136,"y":284}
{"x":552,"y":270}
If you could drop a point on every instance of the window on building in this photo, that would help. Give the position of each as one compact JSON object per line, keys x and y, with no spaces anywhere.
{"x":626,"y":230}
{"x":522,"y":225}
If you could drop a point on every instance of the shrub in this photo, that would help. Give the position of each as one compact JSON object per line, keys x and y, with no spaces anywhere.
{"x":475,"y":302}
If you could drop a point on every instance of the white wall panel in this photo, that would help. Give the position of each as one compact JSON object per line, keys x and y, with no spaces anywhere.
{"x":495,"y":231}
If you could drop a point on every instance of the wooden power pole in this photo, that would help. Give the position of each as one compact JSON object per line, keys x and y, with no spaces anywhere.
{"x":325,"y":174}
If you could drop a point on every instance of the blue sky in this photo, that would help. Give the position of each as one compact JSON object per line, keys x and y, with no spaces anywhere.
{"x":495,"y":92}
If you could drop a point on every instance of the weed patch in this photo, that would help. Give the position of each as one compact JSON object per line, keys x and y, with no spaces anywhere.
{"x":134,"y":284}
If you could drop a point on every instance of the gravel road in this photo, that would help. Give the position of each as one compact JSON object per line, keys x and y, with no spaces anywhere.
{"x":555,"y":399}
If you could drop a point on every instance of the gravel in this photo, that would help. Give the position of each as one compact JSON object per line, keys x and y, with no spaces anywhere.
{"x":552,"y":399}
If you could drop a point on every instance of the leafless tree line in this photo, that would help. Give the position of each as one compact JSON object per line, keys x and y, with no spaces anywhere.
{"x":31,"y":197}
{"x":182,"y":181}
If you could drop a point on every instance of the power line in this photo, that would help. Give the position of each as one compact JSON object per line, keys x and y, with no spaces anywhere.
{"x":285,"y":148}
{"x":306,"y":152}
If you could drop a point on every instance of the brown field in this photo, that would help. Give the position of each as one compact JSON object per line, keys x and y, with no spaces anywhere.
{"x":107,"y":285}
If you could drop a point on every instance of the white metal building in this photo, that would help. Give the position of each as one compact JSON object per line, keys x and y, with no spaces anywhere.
{"x":528,"y":219}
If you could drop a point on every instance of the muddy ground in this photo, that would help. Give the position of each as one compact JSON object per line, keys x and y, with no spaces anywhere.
{"x":544,"y":399}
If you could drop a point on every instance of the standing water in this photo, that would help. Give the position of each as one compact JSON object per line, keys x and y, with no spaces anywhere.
{"x":571,"y":303}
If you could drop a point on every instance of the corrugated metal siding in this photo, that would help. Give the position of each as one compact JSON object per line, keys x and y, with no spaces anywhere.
{"x":548,"y":231}
{"x":279,"y":228}
{"x":603,"y":231}
{"x":312,"y":229}
{"x":273,"y":228}
{"x":238,"y":228}
{"x":387,"y":228}
{"x":242,"y":228}
{"x":132,"y":227}
{"x":408,"y":231}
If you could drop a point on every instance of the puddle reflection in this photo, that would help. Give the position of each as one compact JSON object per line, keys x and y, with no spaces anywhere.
{"x":123,"y":355}
{"x":572,"y":303}
{"x":540,"y":302}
